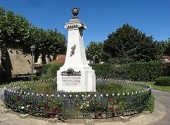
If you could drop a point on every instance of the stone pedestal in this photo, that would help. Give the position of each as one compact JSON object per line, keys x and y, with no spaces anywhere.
{"x":80,"y":80}
{"x":76,"y":75}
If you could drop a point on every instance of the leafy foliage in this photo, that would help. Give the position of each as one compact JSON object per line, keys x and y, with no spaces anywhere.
{"x":47,"y":42}
{"x":131,"y":44}
{"x":18,"y":33}
{"x":95,"y":52}
{"x":14,"y":32}
{"x":50,"y":70}
{"x":163,"y":81}
{"x":145,"y":71}
{"x":114,"y":71}
{"x":167,"y":49}
{"x":102,"y":70}
{"x":136,"y":71}
{"x":150,"y":103}
{"x":6,"y":65}
{"x":14,"y":29}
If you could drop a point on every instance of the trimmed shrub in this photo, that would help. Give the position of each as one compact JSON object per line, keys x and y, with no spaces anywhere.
{"x":120,"y":71}
{"x":50,"y":70}
{"x":150,"y":103}
{"x":145,"y":71}
{"x":113,"y":71}
{"x":136,"y":71}
{"x":45,"y":68}
{"x":163,"y":81}
{"x":102,"y":70}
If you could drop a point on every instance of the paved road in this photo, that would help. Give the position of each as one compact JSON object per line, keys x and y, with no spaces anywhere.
{"x":164,"y":98}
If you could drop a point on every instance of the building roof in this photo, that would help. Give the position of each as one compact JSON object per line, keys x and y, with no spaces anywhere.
{"x":60,"y":59}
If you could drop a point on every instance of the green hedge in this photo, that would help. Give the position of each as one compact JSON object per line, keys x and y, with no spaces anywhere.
{"x":50,"y":70}
{"x":102,"y":70}
{"x":110,"y":70}
{"x":45,"y":68}
{"x":145,"y":71}
{"x":150,"y":103}
{"x":163,"y":81}
{"x":136,"y":71}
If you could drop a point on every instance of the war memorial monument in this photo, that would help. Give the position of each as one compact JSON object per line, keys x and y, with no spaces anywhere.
{"x":76,"y":75}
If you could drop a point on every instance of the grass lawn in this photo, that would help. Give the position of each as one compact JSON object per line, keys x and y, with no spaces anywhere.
{"x":163,"y":88}
{"x":51,"y":88}
{"x":3,"y":85}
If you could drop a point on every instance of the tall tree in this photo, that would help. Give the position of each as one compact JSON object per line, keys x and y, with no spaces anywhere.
{"x":18,"y":33}
{"x":130,"y":44}
{"x":94,"y":52}
{"x":162,"y":46}
{"x":47,"y":42}
{"x":167,"y":49}
{"x":14,"y":30}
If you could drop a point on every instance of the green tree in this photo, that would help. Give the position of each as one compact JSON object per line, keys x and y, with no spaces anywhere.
{"x":130,"y":44}
{"x":14,"y":31}
{"x":162,"y":45}
{"x":47,"y":42}
{"x":94,"y":52}
{"x":167,"y":48}
{"x":18,"y":33}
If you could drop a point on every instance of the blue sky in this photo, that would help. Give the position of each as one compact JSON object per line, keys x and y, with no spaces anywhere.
{"x":102,"y":17}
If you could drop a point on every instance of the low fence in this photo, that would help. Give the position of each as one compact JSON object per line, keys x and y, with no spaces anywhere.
{"x":78,"y":105}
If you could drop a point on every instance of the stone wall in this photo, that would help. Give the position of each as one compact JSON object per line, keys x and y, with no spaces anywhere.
{"x":21,"y":63}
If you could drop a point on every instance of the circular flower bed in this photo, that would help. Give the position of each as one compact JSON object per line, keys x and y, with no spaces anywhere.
{"x":132,"y":99}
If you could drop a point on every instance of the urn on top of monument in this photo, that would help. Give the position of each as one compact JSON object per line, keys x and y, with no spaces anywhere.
{"x":75,"y":21}
{"x":75,"y":12}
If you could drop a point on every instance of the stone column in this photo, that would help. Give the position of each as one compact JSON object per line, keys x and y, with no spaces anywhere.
{"x":76,"y":75}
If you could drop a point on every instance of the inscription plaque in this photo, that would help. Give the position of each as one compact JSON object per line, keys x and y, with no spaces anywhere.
{"x":71,"y":80}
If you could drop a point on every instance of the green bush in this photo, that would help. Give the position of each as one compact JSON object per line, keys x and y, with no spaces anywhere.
{"x":113,"y":71}
{"x":145,"y":71}
{"x":150,"y":103}
{"x":50,"y":71}
{"x":120,"y":71}
{"x":136,"y":71}
{"x":102,"y":70}
{"x":45,"y":68}
{"x":163,"y":81}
